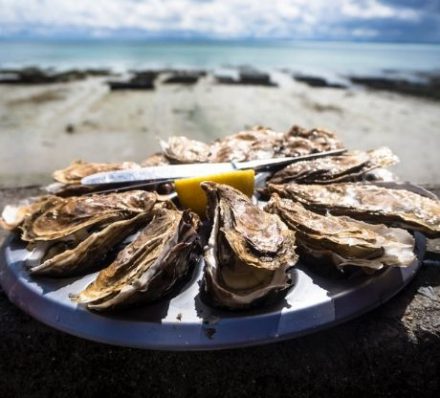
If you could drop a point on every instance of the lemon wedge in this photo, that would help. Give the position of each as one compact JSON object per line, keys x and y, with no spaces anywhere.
{"x":192,"y":196}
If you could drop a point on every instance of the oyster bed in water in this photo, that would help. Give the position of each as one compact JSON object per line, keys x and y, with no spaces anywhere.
{"x":145,"y":245}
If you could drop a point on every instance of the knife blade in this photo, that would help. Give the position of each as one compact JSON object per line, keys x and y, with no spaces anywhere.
{"x":174,"y":172}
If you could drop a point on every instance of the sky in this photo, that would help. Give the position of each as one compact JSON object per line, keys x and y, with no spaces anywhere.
{"x":369,"y":20}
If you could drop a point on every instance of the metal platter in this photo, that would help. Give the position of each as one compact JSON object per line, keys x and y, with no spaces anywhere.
{"x":184,"y":322}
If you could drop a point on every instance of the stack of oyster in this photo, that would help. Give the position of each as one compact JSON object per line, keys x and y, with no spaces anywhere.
{"x":324,"y":211}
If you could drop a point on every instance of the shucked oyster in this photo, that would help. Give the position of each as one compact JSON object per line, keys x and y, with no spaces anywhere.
{"x":150,"y":266}
{"x":372,"y":203}
{"x":73,"y":235}
{"x":248,"y":253}
{"x":343,"y":240}
{"x":349,"y":166}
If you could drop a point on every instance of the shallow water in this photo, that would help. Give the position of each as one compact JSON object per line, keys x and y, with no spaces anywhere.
{"x":323,"y":58}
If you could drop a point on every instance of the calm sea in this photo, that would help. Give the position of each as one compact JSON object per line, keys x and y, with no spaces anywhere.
{"x":324,"y":58}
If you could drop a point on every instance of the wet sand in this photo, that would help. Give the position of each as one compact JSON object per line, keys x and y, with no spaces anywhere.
{"x":46,"y":126}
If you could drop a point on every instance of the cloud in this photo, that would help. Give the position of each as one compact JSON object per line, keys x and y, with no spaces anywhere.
{"x":224,"y":19}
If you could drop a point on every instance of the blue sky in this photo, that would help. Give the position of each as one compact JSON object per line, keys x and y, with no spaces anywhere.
{"x":375,"y":20}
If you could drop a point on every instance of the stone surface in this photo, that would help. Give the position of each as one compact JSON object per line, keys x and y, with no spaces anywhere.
{"x":391,"y":351}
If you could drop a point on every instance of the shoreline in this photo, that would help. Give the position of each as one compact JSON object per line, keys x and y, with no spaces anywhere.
{"x":45,"y":126}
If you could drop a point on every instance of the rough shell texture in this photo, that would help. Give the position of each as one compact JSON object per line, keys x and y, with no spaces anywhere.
{"x":79,"y":169}
{"x":13,"y":216}
{"x":350,"y":166}
{"x":369,"y":202}
{"x":150,"y":266}
{"x":60,"y":217}
{"x":184,"y":150}
{"x":72,"y":256}
{"x":257,"y":143}
{"x":157,"y":159}
{"x":343,"y":240}
{"x":248,"y":253}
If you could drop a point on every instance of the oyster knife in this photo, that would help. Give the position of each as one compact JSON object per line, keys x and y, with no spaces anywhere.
{"x":174,"y":172}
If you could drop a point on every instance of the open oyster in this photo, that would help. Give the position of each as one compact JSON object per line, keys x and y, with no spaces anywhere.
{"x":342,"y":240}
{"x":70,"y":236}
{"x":369,"y":202}
{"x":150,"y":266}
{"x":349,"y":166}
{"x":248,"y":253}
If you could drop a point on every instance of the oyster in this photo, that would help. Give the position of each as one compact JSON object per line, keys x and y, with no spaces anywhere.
{"x":257,"y":143}
{"x":79,"y":169}
{"x":150,"y":266}
{"x":249,"y":251}
{"x":13,"y":216}
{"x":369,"y":202}
{"x":71,"y":236}
{"x":343,"y":240}
{"x":63,"y":217}
{"x":184,"y":150}
{"x":349,"y":166}
{"x":157,"y":159}
{"x":299,"y":141}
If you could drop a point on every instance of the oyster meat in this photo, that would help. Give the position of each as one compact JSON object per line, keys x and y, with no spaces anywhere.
{"x":369,"y":202}
{"x":150,"y":266}
{"x":74,"y":235}
{"x":350,"y":166}
{"x":249,"y":251}
{"x":342,"y":240}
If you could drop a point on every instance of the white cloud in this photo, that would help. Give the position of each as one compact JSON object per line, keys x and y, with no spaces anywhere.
{"x":218,"y":18}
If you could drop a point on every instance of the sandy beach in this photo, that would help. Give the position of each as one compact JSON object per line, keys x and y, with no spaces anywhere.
{"x":43,"y":127}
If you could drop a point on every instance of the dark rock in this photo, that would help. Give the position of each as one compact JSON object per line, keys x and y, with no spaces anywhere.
{"x":429,"y":88}
{"x":141,"y":80}
{"x":249,"y":77}
{"x":34,"y":75}
{"x":185,"y":77}
{"x":70,"y":128}
{"x":314,"y":81}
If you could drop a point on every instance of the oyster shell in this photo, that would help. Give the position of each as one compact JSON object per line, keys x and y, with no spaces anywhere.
{"x":60,"y":217}
{"x":257,"y":143}
{"x":343,"y":240}
{"x":184,"y":150}
{"x":73,"y":255}
{"x":248,"y":253}
{"x":150,"y":266}
{"x":13,"y":216}
{"x":71,"y":236}
{"x":299,"y":141}
{"x":369,"y":202}
{"x":157,"y":159}
{"x":79,"y":169}
{"x":349,"y":166}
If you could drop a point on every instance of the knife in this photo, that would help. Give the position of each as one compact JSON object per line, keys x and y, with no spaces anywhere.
{"x":173,"y":172}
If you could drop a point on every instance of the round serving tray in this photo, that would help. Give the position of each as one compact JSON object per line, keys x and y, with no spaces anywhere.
{"x":184,"y":322}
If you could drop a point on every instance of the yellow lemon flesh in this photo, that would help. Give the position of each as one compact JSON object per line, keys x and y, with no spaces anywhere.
{"x":192,"y":196}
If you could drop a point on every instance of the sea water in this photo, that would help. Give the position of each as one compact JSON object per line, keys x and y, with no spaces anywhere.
{"x":322,"y":58}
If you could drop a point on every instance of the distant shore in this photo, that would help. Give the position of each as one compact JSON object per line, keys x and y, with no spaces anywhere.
{"x":48,"y":117}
